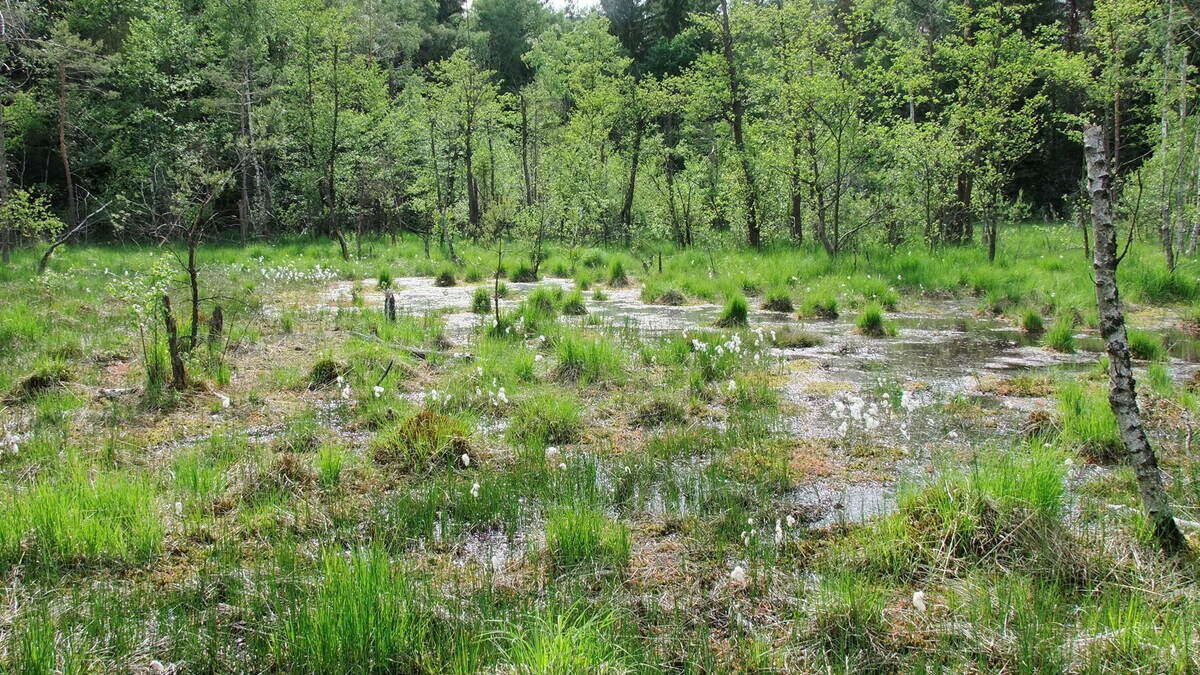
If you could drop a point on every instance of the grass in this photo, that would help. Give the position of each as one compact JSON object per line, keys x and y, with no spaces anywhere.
{"x":589,"y":360}
{"x":481,"y":301}
{"x":1087,"y":422}
{"x":778,"y":300}
{"x":317,"y":533}
{"x":1061,"y":336}
{"x":1031,"y":321}
{"x":872,"y":323}
{"x":445,"y":277}
{"x":364,"y":615}
{"x":547,"y":418}
{"x":584,"y":538}
{"x":1145,"y":346}
{"x":819,"y":307}
{"x":77,"y":519}
{"x":424,"y":441}
{"x":735,"y":313}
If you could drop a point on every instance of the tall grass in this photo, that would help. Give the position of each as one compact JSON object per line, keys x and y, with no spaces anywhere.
{"x":1087,"y":422}
{"x":74,"y":519}
{"x":589,"y":360}
{"x":579,"y":537}
{"x":364,"y":615}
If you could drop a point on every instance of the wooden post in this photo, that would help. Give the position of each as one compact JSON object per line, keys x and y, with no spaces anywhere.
{"x":1121,"y":393}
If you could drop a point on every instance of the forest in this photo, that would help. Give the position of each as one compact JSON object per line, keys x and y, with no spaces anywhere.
{"x":522,"y":336}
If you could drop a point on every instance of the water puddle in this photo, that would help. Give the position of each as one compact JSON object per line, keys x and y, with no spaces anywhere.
{"x":886,"y":404}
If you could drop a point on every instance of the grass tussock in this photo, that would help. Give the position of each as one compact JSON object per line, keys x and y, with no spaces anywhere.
{"x":582,"y":537}
{"x":589,"y":360}
{"x":425,"y":441}
{"x":873,"y":324}
{"x":1087,"y":423}
{"x":735,"y":314}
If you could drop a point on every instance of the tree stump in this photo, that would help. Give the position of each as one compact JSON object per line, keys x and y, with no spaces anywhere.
{"x":389,"y":306}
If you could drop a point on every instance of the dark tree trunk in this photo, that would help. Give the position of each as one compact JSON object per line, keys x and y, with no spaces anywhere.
{"x":631,"y":186}
{"x":797,"y":199}
{"x":738,"y":110}
{"x":5,"y":243}
{"x":72,"y":211}
{"x":1121,"y":393}
{"x":178,"y":374}
{"x":194,"y":284}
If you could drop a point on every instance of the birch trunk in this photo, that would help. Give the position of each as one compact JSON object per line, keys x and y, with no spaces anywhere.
{"x":1121,"y":393}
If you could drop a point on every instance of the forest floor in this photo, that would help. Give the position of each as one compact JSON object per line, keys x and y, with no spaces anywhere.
{"x":723,"y":461}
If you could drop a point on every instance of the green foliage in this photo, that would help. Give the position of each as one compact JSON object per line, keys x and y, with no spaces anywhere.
{"x":778,"y":300}
{"x":424,"y":441}
{"x":26,"y":214}
{"x":589,"y":360}
{"x":819,"y":306}
{"x":80,"y":519}
{"x":364,"y":615}
{"x":1031,"y":321}
{"x":481,"y":301}
{"x":445,"y":277}
{"x":1145,"y":346}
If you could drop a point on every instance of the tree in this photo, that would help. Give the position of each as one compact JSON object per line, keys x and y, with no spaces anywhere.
{"x":466,"y":97}
{"x":1122,"y":395}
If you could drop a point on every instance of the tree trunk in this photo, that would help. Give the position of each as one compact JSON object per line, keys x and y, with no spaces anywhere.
{"x":72,"y":212}
{"x":737,"y":107}
{"x":194,"y":285}
{"x":630,"y":187}
{"x":5,"y":243}
{"x":525,"y":151}
{"x":331,"y":167}
{"x":1121,"y":395}
{"x":797,"y":199}
{"x":178,"y":374}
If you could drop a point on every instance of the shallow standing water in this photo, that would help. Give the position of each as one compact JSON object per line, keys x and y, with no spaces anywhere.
{"x":883,"y":406}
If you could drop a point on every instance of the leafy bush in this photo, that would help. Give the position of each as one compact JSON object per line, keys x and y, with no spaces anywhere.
{"x":385,"y":278}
